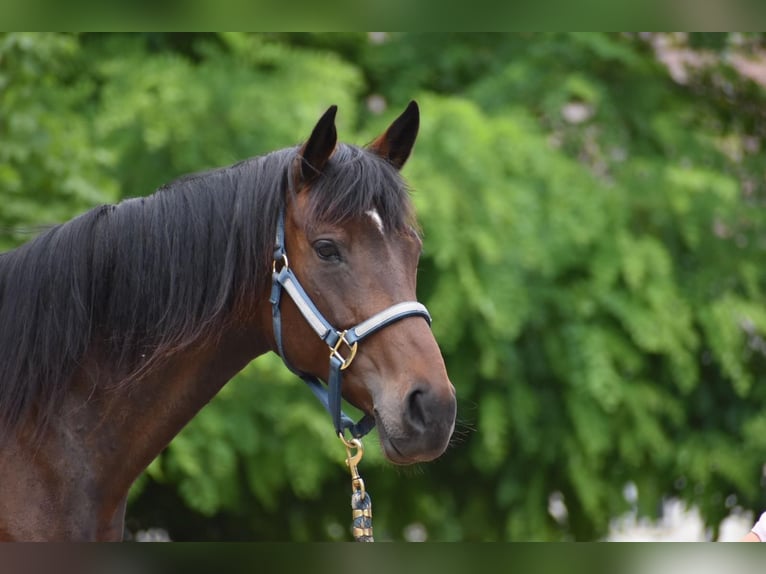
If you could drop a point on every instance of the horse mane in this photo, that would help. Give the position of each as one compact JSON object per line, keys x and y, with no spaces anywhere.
{"x":142,"y":279}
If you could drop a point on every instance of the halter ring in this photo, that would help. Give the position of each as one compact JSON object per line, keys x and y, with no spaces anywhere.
{"x":285,"y":263}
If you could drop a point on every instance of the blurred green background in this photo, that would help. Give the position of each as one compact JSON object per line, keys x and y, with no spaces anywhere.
{"x":593,"y":215}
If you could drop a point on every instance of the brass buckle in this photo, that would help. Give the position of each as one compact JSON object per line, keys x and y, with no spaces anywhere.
{"x":335,"y":351}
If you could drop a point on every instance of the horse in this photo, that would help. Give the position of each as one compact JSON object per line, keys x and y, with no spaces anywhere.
{"x":119,"y":325}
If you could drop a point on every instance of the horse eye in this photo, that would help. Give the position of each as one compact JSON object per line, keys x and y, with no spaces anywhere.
{"x":327,"y":250}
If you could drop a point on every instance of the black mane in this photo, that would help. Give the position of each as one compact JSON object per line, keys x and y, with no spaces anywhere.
{"x":136,"y":281}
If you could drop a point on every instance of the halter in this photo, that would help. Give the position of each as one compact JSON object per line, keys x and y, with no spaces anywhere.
{"x":342,"y":345}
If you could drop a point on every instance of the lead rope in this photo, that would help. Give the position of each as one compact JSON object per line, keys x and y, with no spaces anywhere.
{"x":361,"y":503}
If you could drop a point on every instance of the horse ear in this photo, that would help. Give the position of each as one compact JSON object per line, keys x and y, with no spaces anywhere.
{"x":320,"y":146}
{"x":395,"y":144}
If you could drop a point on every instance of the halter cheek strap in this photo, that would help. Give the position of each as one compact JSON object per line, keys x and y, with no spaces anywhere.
{"x":342,"y":345}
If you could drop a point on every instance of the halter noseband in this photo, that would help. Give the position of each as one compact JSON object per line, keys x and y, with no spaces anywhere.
{"x":341,"y":344}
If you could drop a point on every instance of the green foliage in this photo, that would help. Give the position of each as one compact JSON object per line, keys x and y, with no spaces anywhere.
{"x":593,"y":260}
{"x":51,"y":165}
{"x":233,"y":97}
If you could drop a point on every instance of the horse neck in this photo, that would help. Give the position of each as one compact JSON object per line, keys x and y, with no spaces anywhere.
{"x":140,"y":420}
{"x":105,"y":437}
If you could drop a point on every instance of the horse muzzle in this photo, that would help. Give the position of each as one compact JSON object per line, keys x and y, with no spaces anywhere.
{"x":420,"y":428}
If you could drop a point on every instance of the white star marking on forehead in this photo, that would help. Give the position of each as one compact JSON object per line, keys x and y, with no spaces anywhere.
{"x":375,"y":216}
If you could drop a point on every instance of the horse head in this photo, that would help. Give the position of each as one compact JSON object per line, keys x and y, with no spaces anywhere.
{"x":353,"y":245}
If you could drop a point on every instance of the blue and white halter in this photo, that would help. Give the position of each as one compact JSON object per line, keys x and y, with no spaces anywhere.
{"x":283,"y":278}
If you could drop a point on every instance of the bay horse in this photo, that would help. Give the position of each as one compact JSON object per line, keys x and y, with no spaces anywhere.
{"x":118,"y":326}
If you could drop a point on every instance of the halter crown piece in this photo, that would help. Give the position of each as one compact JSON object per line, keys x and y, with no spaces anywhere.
{"x":342,"y":345}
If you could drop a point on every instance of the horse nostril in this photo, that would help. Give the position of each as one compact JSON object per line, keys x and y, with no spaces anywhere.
{"x":415,"y":409}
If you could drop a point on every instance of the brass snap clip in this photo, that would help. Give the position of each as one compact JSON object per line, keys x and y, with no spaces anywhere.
{"x":354,"y":454}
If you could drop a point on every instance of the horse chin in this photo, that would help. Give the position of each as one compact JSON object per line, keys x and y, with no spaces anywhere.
{"x":393,"y":454}
{"x":398,"y":449}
